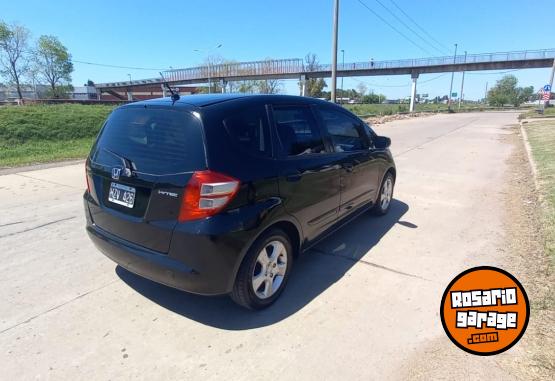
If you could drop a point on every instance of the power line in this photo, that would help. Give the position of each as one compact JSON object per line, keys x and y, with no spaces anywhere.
{"x":408,"y":27}
{"x":433,"y":79}
{"x":31,"y":53}
{"x":118,"y":67}
{"x":392,"y":27}
{"x":499,"y":72}
{"x":445,"y":48}
{"x":376,"y":84}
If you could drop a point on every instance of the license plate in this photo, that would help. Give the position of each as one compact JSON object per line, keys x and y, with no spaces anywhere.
{"x":122,"y":195}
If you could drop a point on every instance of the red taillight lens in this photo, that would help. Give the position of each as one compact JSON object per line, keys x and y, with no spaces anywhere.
{"x":206,"y":194}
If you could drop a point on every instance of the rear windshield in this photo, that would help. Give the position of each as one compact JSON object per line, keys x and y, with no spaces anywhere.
{"x":156,"y":140}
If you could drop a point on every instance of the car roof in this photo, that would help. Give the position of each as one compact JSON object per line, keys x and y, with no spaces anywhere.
{"x":202,"y":100}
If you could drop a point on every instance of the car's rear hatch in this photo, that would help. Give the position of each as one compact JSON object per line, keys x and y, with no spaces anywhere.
{"x":138,"y":169}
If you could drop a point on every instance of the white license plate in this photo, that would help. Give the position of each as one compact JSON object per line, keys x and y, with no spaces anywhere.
{"x":122,"y":195}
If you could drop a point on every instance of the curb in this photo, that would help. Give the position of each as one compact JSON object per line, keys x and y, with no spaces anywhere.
{"x":36,"y":167}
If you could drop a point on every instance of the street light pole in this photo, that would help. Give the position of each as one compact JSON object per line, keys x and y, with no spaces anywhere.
{"x":452,"y":76}
{"x":342,"y":68}
{"x":462,"y":84}
{"x":334,"y":51}
{"x":209,"y":64}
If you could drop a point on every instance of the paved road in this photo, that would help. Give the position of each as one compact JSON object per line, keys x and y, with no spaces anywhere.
{"x":361,"y":305}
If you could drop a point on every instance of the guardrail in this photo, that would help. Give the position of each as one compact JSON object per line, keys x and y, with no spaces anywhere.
{"x":226,"y":70}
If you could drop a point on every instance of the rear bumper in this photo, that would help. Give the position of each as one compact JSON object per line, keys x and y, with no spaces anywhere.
{"x":159,"y":268}
{"x":196,"y":268}
{"x":203,"y":257}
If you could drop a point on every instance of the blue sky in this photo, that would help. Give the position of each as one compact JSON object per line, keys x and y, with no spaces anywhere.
{"x":162,"y":34}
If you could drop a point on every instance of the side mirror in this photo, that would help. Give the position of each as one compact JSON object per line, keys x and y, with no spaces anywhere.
{"x":382,"y":142}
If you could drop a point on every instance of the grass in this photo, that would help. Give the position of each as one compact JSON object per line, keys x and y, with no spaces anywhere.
{"x":389,"y":109}
{"x":549,"y":112}
{"x":44,"y":133}
{"x":541,"y":136}
{"x":34,"y":152}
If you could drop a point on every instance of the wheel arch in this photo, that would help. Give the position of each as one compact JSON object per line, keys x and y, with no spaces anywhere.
{"x":289,"y":225}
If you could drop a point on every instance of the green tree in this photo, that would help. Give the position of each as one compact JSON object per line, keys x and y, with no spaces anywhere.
{"x":314,"y":86}
{"x":373,"y":98}
{"x":14,"y":64}
{"x":54,"y":64}
{"x":506,"y":92}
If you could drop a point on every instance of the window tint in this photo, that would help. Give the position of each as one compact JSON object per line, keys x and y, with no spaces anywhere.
{"x":343,"y":130}
{"x":297,"y":131}
{"x":156,"y":140}
{"x":248,"y":129}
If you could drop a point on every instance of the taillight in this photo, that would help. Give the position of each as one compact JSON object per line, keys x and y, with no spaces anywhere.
{"x":206,"y":194}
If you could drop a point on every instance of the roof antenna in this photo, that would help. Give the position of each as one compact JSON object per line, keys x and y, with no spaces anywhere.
{"x":175,"y":96}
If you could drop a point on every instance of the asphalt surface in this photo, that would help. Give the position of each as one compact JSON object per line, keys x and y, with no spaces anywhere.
{"x":361,"y":305}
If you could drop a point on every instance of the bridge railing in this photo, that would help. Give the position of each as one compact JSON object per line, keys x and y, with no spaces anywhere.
{"x":446,"y":60}
{"x":232,"y":69}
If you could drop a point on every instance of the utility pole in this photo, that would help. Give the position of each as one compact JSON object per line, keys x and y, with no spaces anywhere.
{"x":546,"y":103}
{"x":342,"y":68}
{"x":334,"y":51}
{"x":452,"y":76}
{"x":486,"y":94}
{"x":209,"y":64}
{"x":462,"y":84}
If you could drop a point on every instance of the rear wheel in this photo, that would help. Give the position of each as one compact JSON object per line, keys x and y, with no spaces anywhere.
{"x":383,"y":203}
{"x":264,"y":271}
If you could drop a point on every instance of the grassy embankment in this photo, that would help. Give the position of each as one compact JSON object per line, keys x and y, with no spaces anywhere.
{"x":548,"y":113}
{"x":389,"y":109}
{"x":541,"y":136}
{"x":43,"y":133}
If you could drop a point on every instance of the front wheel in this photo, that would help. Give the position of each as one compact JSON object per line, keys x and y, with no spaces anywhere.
{"x":264,"y":271}
{"x":383,"y":203}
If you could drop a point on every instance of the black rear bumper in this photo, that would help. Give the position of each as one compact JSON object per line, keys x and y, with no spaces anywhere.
{"x":157,"y":267}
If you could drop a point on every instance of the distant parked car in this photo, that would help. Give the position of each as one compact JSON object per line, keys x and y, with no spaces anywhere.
{"x":217,"y":194}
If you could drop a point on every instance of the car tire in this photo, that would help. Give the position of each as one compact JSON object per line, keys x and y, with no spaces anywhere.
{"x":264,"y":271}
{"x":383,"y":202}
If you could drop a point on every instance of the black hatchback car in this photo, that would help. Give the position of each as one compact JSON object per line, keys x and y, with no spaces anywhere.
{"x":217,"y":194}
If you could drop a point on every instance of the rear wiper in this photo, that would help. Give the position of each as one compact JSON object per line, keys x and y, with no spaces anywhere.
{"x":128,"y":166}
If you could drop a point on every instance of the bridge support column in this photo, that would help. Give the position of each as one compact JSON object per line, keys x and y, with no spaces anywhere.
{"x":303,"y":85}
{"x":414,"y":77}
{"x":163,"y":91}
{"x":224,"y":85}
{"x":98,"y":94}
{"x":129,"y":95}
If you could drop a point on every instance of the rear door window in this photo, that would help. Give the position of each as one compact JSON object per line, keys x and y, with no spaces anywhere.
{"x":157,"y":141}
{"x":248,"y":130}
{"x":346,"y":132}
{"x":298,"y":131}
